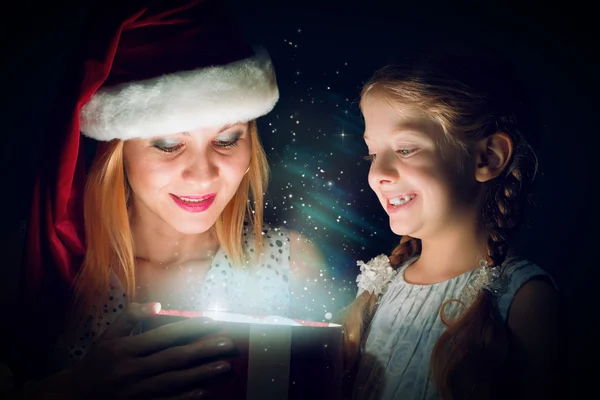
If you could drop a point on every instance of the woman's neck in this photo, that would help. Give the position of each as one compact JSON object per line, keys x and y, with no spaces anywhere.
{"x":159,"y":244}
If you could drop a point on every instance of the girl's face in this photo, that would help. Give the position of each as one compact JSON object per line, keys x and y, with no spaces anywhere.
{"x":185,"y":180}
{"x":421,"y":180}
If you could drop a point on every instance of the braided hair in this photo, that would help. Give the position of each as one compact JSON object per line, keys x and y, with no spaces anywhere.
{"x":470,"y":102}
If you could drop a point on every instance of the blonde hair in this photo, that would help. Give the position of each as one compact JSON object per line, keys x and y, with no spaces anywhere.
{"x":109,"y":242}
{"x":445,"y":88}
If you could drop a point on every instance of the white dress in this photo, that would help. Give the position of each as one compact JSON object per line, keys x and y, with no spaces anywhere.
{"x":395,"y":363}
{"x":262,"y":290}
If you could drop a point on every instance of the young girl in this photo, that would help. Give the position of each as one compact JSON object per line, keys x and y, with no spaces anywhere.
{"x":172,"y":207}
{"x":453,"y":313}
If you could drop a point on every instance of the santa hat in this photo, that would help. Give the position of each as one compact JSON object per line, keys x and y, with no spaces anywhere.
{"x":180,"y":69}
{"x":163,"y":67}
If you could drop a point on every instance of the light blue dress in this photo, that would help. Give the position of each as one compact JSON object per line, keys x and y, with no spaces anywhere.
{"x":395,"y":364}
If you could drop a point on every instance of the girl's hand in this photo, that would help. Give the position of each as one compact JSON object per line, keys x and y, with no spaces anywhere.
{"x":166,"y":361}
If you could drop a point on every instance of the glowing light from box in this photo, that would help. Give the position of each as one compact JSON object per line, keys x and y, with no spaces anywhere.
{"x":216,"y":309}
{"x":249,"y":319}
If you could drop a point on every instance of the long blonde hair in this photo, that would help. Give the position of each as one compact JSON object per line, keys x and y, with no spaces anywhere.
{"x":109,"y":242}
{"x":446,"y":88}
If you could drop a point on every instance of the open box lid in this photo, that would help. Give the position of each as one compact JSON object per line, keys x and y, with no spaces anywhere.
{"x":248,"y":319}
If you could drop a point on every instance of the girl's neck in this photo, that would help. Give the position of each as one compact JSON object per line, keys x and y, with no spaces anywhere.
{"x":158,"y":244}
{"x":447,"y":256}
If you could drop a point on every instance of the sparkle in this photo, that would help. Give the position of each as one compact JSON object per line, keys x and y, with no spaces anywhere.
{"x":318,"y":178}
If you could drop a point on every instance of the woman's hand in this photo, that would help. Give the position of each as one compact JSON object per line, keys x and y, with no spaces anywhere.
{"x":166,"y":361}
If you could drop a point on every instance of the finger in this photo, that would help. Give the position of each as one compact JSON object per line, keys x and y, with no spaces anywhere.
{"x":180,"y":357}
{"x":175,"y":381}
{"x":169,"y":335}
{"x":133,"y":315}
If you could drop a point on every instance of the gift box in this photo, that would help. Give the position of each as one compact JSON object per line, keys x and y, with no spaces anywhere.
{"x":276,"y":358}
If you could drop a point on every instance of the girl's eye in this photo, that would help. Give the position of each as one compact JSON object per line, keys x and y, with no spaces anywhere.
{"x":401,"y":152}
{"x":405,"y":152}
{"x":370,"y":157}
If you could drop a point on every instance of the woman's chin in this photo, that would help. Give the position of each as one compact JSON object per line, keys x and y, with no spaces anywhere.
{"x":190,"y":228}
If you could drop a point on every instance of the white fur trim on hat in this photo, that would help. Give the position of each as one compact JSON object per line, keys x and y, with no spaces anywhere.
{"x":183,"y":101}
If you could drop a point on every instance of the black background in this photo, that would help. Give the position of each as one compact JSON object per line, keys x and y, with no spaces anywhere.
{"x":322,"y":52}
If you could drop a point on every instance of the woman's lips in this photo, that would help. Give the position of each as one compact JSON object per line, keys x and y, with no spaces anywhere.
{"x":194,"y":204}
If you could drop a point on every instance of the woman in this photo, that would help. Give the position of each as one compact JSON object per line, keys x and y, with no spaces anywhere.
{"x":172,"y":204}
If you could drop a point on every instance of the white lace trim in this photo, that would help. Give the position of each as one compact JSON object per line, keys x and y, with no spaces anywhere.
{"x":485,"y":278}
{"x":375,"y":275}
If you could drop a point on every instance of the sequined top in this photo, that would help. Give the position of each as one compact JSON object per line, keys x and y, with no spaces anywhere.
{"x":395,"y":363}
{"x":261,"y":290}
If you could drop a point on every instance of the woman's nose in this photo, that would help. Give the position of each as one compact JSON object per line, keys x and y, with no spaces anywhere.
{"x":200,"y":165}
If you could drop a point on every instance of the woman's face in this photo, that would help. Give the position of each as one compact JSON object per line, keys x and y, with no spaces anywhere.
{"x":185,"y":180}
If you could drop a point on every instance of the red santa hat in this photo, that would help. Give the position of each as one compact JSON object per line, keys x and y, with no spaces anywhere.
{"x":149,"y":68}
{"x":176,"y":70}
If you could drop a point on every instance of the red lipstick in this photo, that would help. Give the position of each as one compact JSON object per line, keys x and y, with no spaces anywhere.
{"x":194,"y":204}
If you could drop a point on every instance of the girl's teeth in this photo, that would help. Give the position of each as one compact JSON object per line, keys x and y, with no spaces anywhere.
{"x":398,"y":201}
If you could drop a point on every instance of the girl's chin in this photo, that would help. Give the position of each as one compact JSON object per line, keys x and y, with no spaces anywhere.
{"x":403,"y":230}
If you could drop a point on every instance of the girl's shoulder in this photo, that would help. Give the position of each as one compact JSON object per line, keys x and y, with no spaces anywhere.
{"x":517,"y":272}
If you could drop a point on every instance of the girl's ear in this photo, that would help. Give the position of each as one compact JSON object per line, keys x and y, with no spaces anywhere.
{"x":492,"y":156}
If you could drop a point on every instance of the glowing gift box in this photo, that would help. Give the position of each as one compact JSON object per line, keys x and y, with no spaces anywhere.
{"x":278,"y":358}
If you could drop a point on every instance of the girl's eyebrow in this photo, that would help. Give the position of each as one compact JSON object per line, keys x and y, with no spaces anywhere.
{"x":401,"y":131}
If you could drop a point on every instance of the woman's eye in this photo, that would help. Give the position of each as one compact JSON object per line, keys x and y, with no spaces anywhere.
{"x":167,"y":147}
{"x":228,"y":142}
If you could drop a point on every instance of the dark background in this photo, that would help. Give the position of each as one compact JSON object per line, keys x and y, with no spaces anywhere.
{"x":323,"y":52}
